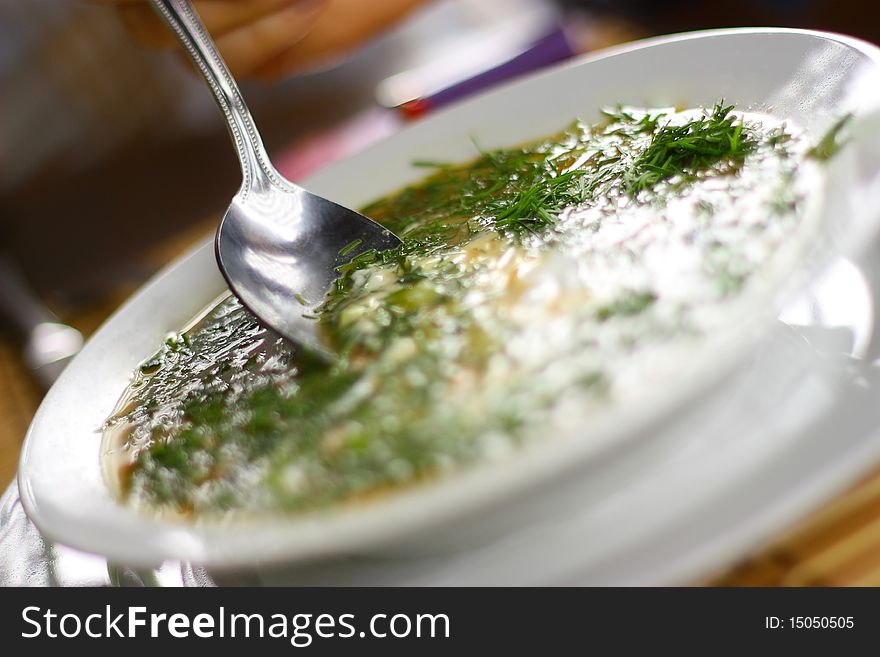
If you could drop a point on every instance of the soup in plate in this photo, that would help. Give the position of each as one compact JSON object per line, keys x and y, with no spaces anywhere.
{"x":536,"y":286}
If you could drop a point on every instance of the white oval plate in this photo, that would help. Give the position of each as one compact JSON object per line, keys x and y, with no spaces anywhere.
{"x":811,"y":78}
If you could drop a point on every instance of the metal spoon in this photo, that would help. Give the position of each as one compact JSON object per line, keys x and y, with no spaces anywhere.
{"x":278,"y":245}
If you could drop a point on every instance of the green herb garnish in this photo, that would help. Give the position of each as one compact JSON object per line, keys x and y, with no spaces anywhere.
{"x":351,"y":246}
{"x":830,"y":144}
{"x":683,"y":151}
{"x":627,"y":305}
{"x":538,"y":204}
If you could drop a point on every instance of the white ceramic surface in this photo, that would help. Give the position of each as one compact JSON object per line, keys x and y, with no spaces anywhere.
{"x":810,"y":77}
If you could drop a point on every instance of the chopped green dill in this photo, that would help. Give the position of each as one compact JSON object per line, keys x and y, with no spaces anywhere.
{"x":625,"y":123}
{"x":705,"y":208}
{"x":539,"y":204}
{"x":683,"y":151}
{"x":351,"y":246}
{"x":831,"y":143}
{"x":729,"y":282}
{"x":627,"y":305}
{"x":430,"y":164}
{"x":778,"y":136}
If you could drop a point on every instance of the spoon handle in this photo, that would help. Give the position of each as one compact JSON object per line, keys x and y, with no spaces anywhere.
{"x":257,"y":171}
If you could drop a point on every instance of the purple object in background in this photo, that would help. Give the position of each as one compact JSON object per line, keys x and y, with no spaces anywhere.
{"x":549,"y":49}
{"x":422,"y":90}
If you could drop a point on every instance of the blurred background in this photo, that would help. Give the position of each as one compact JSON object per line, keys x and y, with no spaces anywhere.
{"x":113,"y":158}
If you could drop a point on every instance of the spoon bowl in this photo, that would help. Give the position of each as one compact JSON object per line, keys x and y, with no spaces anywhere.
{"x":278,"y":246}
{"x":279,"y":250}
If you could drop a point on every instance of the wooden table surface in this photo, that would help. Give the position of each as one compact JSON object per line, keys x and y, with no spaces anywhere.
{"x":838,"y":545}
